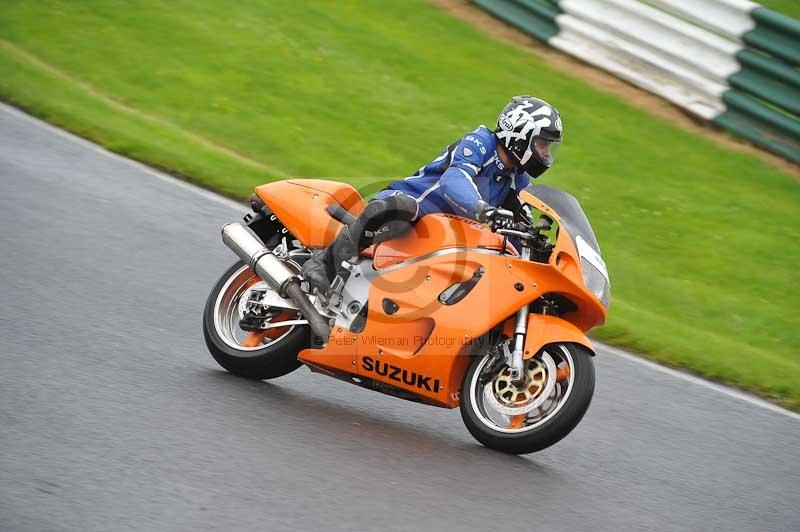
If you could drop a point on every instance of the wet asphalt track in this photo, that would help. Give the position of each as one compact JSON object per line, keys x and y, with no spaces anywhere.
{"x":114,"y":417}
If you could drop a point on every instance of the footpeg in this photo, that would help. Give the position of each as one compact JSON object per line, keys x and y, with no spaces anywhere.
{"x":334,"y":295}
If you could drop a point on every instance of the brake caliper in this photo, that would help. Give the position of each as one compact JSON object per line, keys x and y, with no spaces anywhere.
{"x":253,"y":314}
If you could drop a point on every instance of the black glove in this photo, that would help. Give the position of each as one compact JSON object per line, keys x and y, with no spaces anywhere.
{"x":494,"y":217}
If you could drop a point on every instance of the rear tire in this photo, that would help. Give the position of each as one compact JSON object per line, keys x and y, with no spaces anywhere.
{"x":541,"y":433}
{"x":269,"y":362}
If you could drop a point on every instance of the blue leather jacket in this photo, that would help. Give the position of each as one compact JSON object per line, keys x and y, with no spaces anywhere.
{"x":466,"y":171}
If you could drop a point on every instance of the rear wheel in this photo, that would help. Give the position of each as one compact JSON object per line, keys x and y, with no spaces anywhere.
{"x":263,"y":354}
{"x":559,"y":382}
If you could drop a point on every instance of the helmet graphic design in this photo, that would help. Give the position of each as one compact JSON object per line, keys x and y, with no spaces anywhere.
{"x":530,"y":130}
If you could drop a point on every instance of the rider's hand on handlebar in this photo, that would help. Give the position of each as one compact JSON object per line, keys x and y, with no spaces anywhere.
{"x":494,"y":217}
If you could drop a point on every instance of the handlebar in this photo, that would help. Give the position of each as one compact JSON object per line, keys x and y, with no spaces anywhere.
{"x":521,"y":231}
{"x":527,"y":231}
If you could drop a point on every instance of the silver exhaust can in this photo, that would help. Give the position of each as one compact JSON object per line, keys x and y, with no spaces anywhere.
{"x":251,"y":250}
{"x":268,"y":267}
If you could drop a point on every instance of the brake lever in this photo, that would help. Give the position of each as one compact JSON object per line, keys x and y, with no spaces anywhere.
{"x":545,"y":223}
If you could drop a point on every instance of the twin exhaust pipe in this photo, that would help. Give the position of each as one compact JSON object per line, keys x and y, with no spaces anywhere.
{"x":278,"y":277}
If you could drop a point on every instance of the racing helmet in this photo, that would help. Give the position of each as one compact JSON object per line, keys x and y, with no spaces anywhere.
{"x":530,"y":130}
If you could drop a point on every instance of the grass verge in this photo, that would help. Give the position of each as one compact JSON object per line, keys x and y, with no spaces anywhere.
{"x":701,"y":241}
{"x":790,"y":8}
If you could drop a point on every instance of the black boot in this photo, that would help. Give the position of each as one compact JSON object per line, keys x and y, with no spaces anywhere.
{"x":380,"y":220}
{"x":316,"y":270}
{"x":321,"y":269}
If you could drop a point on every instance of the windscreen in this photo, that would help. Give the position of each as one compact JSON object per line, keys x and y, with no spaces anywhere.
{"x":573,"y":219}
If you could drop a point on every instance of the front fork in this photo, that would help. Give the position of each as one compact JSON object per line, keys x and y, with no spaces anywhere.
{"x":514,"y":358}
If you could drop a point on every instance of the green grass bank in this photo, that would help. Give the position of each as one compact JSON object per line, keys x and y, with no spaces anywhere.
{"x":790,"y":8}
{"x":701,"y":242}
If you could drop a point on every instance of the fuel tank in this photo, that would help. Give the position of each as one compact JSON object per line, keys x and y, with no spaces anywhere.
{"x":436,"y":232}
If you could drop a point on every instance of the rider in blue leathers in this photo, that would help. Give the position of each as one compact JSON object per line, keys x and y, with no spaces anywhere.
{"x":465,"y":172}
{"x":473,"y":177}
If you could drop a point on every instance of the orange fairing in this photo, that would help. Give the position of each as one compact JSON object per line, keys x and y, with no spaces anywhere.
{"x":412,"y":277}
{"x":412,"y":339}
{"x":300,"y":205}
{"x":566,"y":260}
{"x":424,"y":337}
{"x":543,"y":330}
{"x":535,"y":202}
{"x":435,"y":232}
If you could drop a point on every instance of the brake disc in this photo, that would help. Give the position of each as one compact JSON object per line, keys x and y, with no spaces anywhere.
{"x":505,"y":398}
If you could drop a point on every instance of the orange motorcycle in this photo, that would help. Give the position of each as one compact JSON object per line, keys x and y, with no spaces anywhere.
{"x":448,"y":314}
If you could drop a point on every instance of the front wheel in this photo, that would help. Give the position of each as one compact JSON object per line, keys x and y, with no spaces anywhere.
{"x":558,"y":387}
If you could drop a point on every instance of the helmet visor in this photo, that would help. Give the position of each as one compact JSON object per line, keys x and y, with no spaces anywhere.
{"x":545,"y":150}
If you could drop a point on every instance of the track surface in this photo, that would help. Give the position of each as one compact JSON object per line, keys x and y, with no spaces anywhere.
{"x":114,"y":417}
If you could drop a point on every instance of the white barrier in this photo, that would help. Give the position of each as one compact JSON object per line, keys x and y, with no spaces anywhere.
{"x":676,"y":40}
{"x":727,"y":17}
{"x":653,"y":50}
{"x":732,"y":62}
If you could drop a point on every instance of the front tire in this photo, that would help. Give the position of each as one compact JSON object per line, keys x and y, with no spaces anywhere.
{"x":557,"y":393}
{"x":238,"y":351}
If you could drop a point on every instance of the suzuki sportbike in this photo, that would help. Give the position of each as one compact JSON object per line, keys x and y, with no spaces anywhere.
{"x":449,"y":314}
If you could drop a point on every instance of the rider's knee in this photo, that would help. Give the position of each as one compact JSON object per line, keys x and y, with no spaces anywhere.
{"x":396,"y":207}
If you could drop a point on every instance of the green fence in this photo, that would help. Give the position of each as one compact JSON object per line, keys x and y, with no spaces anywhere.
{"x":731,"y":62}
